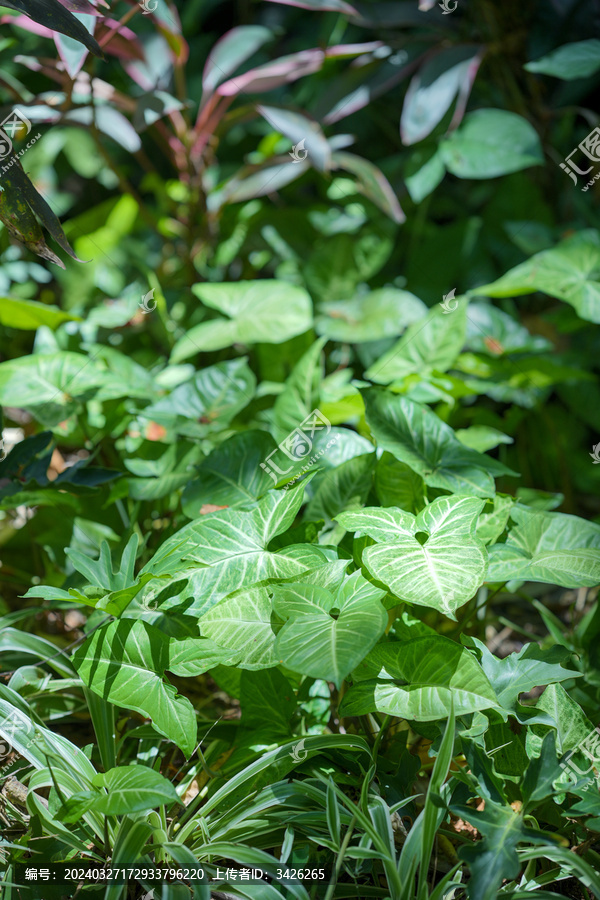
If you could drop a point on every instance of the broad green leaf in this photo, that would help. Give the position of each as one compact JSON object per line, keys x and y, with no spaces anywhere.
{"x":244,"y":623}
{"x":29,"y":315}
{"x":124,"y":662}
{"x":231,"y":475}
{"x":327,"y":633}
{"x":548,"y":547}
{"x":268,"y":311}
{"x":396,"y":484}
{"x":227,"y":550}
{"x":208,"y":401}
{"x":338,"y":264}
{"x":519,"y":672}
{"x":192,"y":656}
{"x":482,"y":437}
{"x":569,"y":62}
{"x":489,"y":143}
{"x":428,"y":344}
{"x":268,"y":704}
{"x":369,"y":317}
{"x":494,"y":332}
{"x":448,"y":73}
{"x":419,"y":680}
{"x":493,"y":518}
{"x":417,"y":437}
{"x":568,"y":271}
{"x":572,"y":725}
{"x":344,"y":487}
{"x":132,"y":789}
{"x":57,"y":378}
{"x":495,"y":857}
{"x":433,"y":559}
{"x":300,"y":395}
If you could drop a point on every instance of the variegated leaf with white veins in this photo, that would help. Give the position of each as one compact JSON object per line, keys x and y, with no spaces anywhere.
{"x":433,"y":559}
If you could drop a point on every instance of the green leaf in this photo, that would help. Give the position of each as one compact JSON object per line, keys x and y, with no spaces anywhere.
{"x":244,"y":623}
{"x":29,"y":315}
{"x":132,"y":789}
{"x":419,"y":680}
{"x":548,"y":547}
{"x":370,"y":317}
{"x":569,"y":62}
{"x":489,"y":143}
{"x":56,"y":378}
{"x":572,"y":725}
{"x":417,"y":437}
{"x":433,"y":559}
{"x":208,"y":401}
{"x":495,"y":857}
{"x":428,"y":344}
{"x":300,"y":395}
{"x":568,"y":271}
{"x":345,"y":487}
{"x":482,"y":437}
{"x":396,"y":484}
{"x":520,"y":672}
{"x":231,"y":475}
{"x":124,"y":663}
{"x":227,"y":550}
{"x":268,"y":311}
{"x":268,"y":704}
{"x":327,"y":633}
{"x":300,"y":129}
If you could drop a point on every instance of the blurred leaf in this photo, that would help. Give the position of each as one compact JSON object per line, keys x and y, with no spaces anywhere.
{"x":568,"y":271}
{"x":569,"y":62}
{"x":29,"y":315}
{"x":369,"y":317}
{"x":372,"y":183}
{"x":489,"y":143}
{"x":449,"y":73}
{"x":269,"y":311}
{"x":52,"y":14}
{"x":299,"y":128}
{"x":230,"y":51}
{"x":432,"y":342}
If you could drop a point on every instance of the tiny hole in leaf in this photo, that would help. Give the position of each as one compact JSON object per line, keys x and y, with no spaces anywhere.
{"x":422,"y":537}
{"x":334,"y":613}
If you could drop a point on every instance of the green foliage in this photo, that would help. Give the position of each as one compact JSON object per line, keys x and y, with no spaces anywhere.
{"x":299,"y":521}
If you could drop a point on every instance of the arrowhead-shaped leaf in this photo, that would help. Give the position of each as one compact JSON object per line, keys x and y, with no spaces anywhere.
{"x":433,"y":559}
{"x":328,"y":632}
{"x":548,"y":547}
{"x":124,"y":662}
{"x":419,"y":680}
{"x":417,"y":437}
